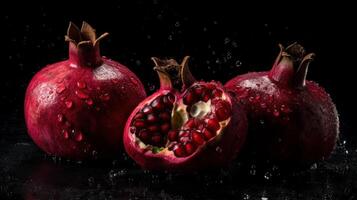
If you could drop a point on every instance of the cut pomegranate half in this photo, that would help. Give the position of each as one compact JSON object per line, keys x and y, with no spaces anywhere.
{"x":198,"y":128}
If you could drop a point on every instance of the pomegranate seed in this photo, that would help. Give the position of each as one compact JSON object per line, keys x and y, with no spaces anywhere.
{"x":207,"y":134}
{"x":156,"y":139}
{"x":206,"y":96}
{"x":172,"y":135}
{"x":189,"y":98}
{"x":139,"y":116}
{"x":165,"y":116}
{"x":152,"y":118}
{"x":184,"y":139}
{"x":157,"y":104}
{"x":199,"y":90}
{"x":144,"y":135}
{"x":153,"y":128}
{"x":190,"y":148}
{"x":139,"y":123}
{"x":191,"y":123}
{"x":179,"y":151}
{"x":213,"y":125}
{"x":147,"y":109}
{"x":217,"y":93}
{"x":184,"y":134}
{"x":211,"y":86}
{"x":165,"y":128}
{"x":223,"y":113}
{"x":197,"y":138}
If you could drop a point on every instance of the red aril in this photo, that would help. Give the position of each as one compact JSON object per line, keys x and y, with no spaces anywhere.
{"x":291,"y":120}
{"x":199,"y":127}
{"x":78,"y":107}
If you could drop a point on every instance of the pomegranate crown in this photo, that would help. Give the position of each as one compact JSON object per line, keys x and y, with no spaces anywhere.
{"x":291,"y":65}
{"x":85,"y":36}
{"x":170,"y":72}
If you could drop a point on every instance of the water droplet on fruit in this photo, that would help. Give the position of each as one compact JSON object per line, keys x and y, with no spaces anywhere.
{"x":69,"y":103}
{"x":81,"y":94}
{"x":89,"y":101}
{"x":60,"y":88}
{"x":105,"y":97}
{"x":263,"y":105}
{"x":60,"y":118}
{"x":276,"y":113}
{"x":219,"y":149}
{"x":81,"y":84}
{"x":65,"y":134}
{"x":78,"y":136}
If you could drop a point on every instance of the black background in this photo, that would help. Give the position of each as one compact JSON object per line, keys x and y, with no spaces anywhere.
{"x":223,"y":39}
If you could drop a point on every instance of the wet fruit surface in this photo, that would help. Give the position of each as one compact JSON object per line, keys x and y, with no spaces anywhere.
{"x":80,"y":105}
{"x":292,"y":121}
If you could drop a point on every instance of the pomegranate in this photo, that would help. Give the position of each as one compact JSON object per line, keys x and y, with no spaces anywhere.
{"x":78,"y":107}
{"x":198,"y":127}
{"x":291,"y":120}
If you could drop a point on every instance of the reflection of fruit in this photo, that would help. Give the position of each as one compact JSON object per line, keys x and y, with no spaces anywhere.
{"x":290,"y":119}
{"x":79,"y":106}
{"x":202,"y":127}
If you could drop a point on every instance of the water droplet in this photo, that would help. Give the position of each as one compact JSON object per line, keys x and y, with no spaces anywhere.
{"x":313,"y":167}
{"x":65,"y":134}
{"x":276,"y":113}
{"x":60,"y":118}
{"x":91,"y":181}
{"x":267,"y":175}
{"x":246,"y":196}
{"x":60,"y":88}
{"x":89,"y":101}
{"x":81,"y":94}
{"x":69,"y":103}
{"x":219,"y":149}
{"x":95,"y":154}
{"x":177,"y":24}
{"x":78,"y":136}
{"x":262,"y":122}
{"x":81,"y":84}
{"x":263,"y":105}
{"x":105,"y":97}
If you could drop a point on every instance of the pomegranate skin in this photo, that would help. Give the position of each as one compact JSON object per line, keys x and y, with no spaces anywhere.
{"x":291,"y":121}
{"x":215,"y":153}
{"x":77,"y":108}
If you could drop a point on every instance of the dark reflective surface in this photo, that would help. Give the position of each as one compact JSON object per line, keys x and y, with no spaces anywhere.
{"x":26,"y":173}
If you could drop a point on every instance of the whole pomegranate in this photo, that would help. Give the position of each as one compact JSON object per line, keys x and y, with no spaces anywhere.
{"x":77,"y":108}
{"x":199,"y":127}
{"x":291,"y":120}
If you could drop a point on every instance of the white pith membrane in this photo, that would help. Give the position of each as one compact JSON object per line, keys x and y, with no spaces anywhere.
{"x":179,"y":126}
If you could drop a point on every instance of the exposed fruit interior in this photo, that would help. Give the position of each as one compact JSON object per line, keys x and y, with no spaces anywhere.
{"x":182,"y":124}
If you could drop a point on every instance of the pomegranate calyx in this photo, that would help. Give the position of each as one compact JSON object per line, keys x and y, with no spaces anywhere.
{"x":84,"y":36}
{"x":291,"y":65}
{"x":179,"y":73}
{"x":84,"y":45}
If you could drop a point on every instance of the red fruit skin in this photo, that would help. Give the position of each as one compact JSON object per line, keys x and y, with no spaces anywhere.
{"x":95,"y":101}
{"x":288,"y":125}
{"x":214,"y":154}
